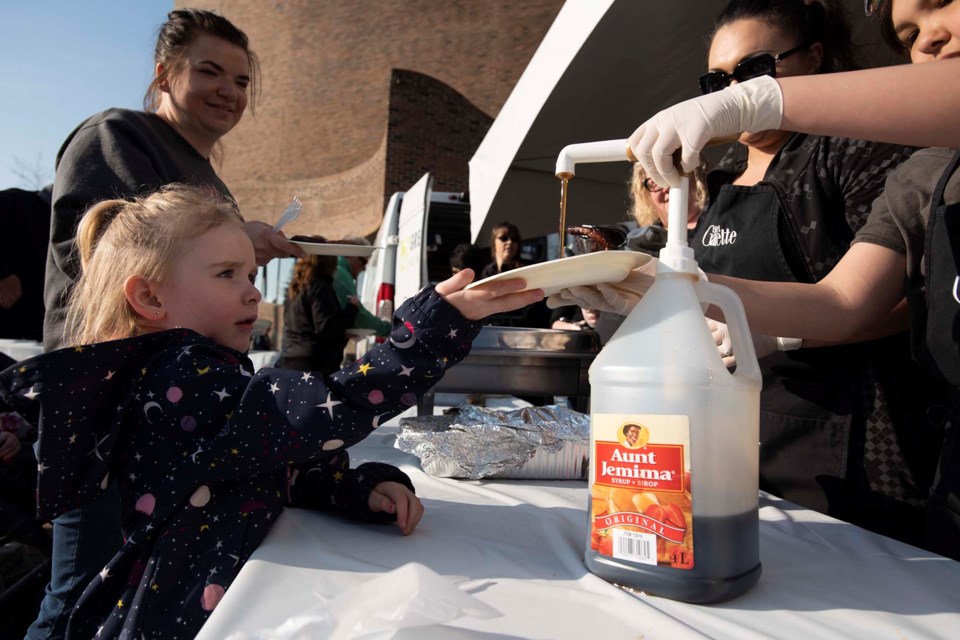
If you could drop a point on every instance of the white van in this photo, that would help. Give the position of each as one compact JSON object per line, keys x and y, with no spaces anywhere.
{"x":430,"y":234}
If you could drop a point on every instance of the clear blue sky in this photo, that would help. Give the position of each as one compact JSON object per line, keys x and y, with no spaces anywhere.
{"x":62,"y":61}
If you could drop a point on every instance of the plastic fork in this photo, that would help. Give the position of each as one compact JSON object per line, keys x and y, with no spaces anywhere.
{"x":291,"y":213}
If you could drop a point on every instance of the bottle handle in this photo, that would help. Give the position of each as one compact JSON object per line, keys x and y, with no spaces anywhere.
{"x":736,"y":317}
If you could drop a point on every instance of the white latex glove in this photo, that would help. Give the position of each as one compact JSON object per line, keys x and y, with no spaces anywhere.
{"x":754,"y":105}
{"x":616,"y":297}
{"x":763,"y":345}
{"x":613,"y":297}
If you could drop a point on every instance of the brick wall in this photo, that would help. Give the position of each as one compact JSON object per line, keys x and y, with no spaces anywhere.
{"x":332,"y":127}
{"x":431,"y":128}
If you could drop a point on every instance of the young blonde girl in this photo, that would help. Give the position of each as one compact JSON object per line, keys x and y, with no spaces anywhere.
{"x":205,"y":452}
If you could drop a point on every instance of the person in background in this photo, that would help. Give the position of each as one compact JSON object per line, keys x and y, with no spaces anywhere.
{"x":25,"y":221}
{"x":160,"y":389}
{"x":504,"y":250}
{"x":907,"y":246}
{"x":345,"y":285}
{"x":505,"y":246}
{"x":205,"y":76}
{"x":649,"y":203}
{"x":466,"y":256}
{"x":573,"y":318}
{"x":22,"y":534}
{"x":18,"y":473}
{"x":314,"y":324}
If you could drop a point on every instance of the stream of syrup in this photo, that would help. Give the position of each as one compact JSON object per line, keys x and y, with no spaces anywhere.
{"x":563,"y":215}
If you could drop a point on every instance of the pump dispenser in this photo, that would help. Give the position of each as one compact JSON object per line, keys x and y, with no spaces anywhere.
{"x":674,"y":466}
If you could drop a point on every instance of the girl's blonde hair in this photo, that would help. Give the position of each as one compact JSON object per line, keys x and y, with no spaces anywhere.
{"x":641,"y":205}
{"x":143,"y":236}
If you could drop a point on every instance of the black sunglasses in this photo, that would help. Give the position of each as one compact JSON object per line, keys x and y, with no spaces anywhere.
{"x":764,"y":64}
{"x":504,"y":238}
{"x":651,"y":186}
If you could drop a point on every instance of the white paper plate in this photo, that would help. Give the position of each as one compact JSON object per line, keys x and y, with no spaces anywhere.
{"x":334,"y":249}
{"x":575,"y":271}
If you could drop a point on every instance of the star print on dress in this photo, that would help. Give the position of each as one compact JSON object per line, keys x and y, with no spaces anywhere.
{"x":201,"y":453}
{"x":330,"y":404}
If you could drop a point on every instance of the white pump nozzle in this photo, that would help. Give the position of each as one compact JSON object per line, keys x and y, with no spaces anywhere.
{"x":677,"y":257}
{"x":603,"y":151}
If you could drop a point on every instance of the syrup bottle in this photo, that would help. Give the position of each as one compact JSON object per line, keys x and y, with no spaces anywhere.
{"x":674,"y":460}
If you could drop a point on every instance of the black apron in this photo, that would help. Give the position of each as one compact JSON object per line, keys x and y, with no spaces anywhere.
{"x":935,"y":326}
{"x":815,"y":403}
{"x":806,"y":401}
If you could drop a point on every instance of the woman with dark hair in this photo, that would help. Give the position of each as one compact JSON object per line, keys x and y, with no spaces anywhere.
{"x":837,"y":423}
{"x":314,"y":324}
{"x":505,"y":246}
{"x":205,"y":76}
{"x":907,"y":247}
{"x":504,"y":250}
{"x":466,"y":256}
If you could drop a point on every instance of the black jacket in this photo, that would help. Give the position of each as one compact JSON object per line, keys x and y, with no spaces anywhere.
{"x":206,"y":453}
{"x":315,"y":329}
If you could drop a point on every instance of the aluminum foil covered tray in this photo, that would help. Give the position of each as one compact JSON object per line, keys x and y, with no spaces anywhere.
{"x":543,"y":443}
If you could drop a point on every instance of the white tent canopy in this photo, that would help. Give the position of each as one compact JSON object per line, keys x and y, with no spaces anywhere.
{"x":603,"y":68}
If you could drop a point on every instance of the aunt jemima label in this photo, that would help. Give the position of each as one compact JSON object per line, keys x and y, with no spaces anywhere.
{"x":640,"y":489}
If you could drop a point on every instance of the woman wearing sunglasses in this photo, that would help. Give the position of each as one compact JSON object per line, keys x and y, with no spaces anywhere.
{"x":909,"y":244}
{"x":784,"y":207}
{"x":505,"y":256}
{"x":504,"y":249}
{"x":649,"y":203}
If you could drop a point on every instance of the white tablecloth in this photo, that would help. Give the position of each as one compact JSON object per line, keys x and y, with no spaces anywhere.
{"x":520,"y":544}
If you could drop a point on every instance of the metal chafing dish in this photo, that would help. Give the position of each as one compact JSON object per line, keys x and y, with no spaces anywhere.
{"x":523,"y":362}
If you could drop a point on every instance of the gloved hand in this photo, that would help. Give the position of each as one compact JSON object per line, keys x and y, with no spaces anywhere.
{"x":754,"y":105}
{"x":647,"y":239}
{"x":616,"y":297}
{"x":763,"y":345}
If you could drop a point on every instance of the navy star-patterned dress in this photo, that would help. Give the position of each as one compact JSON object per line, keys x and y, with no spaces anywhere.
{"x":206,"y":453}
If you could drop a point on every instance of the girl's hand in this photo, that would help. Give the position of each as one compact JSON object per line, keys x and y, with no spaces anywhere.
{"x":9,"y":446}
{"x":494,"y":297}
{"x":393,"y":497}
{"x":269,"y":244}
